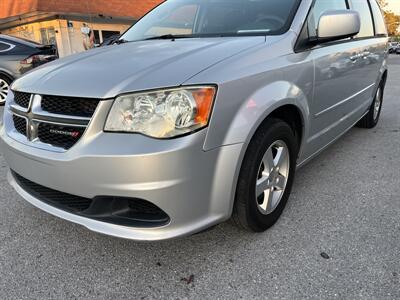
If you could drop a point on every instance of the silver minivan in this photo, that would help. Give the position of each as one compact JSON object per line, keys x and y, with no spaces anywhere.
{"x":199,"y":113}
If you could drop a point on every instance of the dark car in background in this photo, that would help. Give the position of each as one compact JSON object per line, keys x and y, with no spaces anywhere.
{"x":393,"y":47}
{"x":111,"y":40}
{"x":18,"y":56}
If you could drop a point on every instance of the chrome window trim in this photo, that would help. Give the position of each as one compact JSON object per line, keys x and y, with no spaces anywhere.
{"x":10,"y":46}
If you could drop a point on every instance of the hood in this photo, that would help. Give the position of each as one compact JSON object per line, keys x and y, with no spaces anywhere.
{"x":109,"y":71}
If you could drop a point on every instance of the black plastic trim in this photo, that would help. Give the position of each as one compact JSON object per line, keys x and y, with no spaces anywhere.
{"x":130,"y":212}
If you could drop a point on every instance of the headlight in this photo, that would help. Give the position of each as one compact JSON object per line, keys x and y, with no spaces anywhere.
{"x":164,"y":113}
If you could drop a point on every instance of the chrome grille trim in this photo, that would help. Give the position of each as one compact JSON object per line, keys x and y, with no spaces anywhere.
{"x":51,"y":118}
{"x":58,"y":123}
{"x":20,"y":108}
{"x":35,"y":115}
{"x":26,"y":120}
{"x":47,"y":115}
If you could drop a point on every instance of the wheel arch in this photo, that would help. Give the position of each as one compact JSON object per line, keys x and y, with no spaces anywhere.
{"x":291,"y":115}
{"x":6,"y":74}
{"x":280,"y":99}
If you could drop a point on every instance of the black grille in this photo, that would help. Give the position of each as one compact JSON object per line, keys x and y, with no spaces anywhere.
{"x":59,"y":135}
{"x":79,"y":107}
{"x":22,"y":99}
{"x":20,"y":124}
{"x":54,"y":198}
{"x":115,"y":210}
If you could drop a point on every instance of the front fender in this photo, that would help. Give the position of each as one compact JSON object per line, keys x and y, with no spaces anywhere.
{"x":252,"y":111}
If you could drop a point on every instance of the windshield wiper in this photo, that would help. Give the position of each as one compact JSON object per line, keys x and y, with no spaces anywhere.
{"x":169,"y":37}
{"x":175,"y":37}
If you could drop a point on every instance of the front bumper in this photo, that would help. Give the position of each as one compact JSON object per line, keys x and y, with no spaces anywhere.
{"x":194,"y":187}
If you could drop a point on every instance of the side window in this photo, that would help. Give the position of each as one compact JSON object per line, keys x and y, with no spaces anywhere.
{"x":367,"y":25}
{"x":4,"y":47}
{"x":380,"y":27}
{"x":321,"y":6}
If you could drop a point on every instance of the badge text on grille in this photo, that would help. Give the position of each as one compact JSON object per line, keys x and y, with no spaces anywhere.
{"x":73,"y":134}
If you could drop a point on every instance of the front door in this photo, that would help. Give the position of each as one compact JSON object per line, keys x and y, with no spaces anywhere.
{"x":337,"y":68}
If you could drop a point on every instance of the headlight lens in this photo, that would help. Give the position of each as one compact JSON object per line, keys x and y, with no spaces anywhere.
{"x":164,"y":113}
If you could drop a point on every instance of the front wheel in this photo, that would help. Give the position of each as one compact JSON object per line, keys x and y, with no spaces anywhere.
{"x":266,"y":176}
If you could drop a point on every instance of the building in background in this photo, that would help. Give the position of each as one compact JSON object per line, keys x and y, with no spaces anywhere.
{"x":60,"y":22}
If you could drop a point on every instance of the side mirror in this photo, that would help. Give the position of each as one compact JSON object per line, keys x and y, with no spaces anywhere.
{"x":336,"y":25}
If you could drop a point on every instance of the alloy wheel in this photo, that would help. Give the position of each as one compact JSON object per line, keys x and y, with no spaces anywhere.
{"x":272,"y":177}
{"x":4,"y":88}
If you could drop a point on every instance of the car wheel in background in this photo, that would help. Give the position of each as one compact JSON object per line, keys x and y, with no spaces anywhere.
{"x":266,"y":176}
{"x":5,"y":84}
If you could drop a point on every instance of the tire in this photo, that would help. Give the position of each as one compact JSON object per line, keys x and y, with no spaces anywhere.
{"x":371,"y":119}
{"x":5,"y":83}
{"x":272,"y":137}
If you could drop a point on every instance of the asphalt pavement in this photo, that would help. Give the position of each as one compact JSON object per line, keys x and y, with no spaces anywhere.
{"x":339,"y":237}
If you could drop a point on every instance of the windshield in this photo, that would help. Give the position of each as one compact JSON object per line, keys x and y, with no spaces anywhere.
{"x":197,"y":18}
